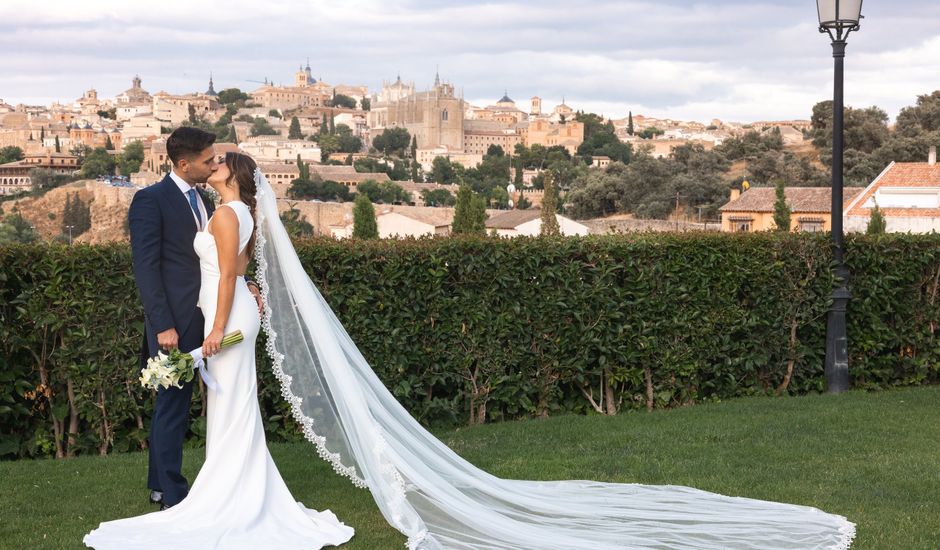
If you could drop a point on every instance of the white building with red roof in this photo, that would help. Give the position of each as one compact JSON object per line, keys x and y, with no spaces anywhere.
{"x":908,"y":195}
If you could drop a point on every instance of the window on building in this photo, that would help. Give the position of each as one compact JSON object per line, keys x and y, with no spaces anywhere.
{"x":810,"y":225}
{"x":741,"y":224}
{"x":444,"y":115}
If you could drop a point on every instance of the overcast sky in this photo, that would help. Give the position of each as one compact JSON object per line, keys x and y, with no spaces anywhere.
{"x":738,"y":60}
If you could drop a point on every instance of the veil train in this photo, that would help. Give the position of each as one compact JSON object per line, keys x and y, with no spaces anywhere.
{"x":441,"y":501}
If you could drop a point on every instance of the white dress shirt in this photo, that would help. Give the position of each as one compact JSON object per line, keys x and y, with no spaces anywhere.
{"x":184,"y":188}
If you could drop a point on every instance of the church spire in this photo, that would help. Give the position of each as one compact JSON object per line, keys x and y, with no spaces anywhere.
{"x":437,"y":76}
{"x":211,"y":90}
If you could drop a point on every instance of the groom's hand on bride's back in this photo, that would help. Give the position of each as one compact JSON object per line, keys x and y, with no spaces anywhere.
{"x":168,"y":339}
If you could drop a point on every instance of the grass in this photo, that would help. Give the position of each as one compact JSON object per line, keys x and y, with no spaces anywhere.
{"x":872,"y":457}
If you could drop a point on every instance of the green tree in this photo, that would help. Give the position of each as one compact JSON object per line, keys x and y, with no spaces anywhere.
{"x":549,"y":220}
{"x":303,"y":169}
{"x":81,"y":151}
{"x":392,"y":141}
{"x":132,"y":158}
{"x":386,"y":192}
{"x":469,"y":213}
{"x":494,"y":150}
{"x":600,"y":139}
{"x":261,"y":127}
{"x":295,"y":224}
{"x":364,"y":224}
{"x":630,"y":122}
{"x":346,"y":141}
{"x":877,"y":225}
{"x":231,"y":96}
{"x":329,"y":144}
{"x":365,"y":104}
{"x":10,"y":153}
{"x":275,"y":113}
{"x":438,"y":197}
{"x":414,"y":148}
{"x":316,"y":188}
{"x":921,"y":118}
{"x":651,"y":132}
{"x":58,"y":146}
{"x":443,"y":171}
{"x":15,"y":229}
{"x":344,"y":101}
{"x":193,"y":119}
{"x":370,"y":165}
{"x":108,"y":144}
{"x":77,"y":214}
{"x":98,"y":163}
{"x":781,"y":208}
{"x":44,"y":179}
{"x":294,"y":131}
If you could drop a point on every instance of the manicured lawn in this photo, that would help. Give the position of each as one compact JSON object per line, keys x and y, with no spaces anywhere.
{"x":872,"y":457}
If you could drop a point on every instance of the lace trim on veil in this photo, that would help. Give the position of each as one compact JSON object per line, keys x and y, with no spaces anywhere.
{"x":284,"y":379}
{"x":277,"y":358}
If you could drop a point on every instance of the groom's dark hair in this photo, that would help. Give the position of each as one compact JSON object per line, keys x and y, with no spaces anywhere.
{"x":186,"y":142}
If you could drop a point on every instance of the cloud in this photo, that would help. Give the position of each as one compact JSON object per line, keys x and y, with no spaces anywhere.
{"x":735,"y":60}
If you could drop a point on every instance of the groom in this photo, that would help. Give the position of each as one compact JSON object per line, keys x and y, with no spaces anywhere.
{"x":163,"y":220}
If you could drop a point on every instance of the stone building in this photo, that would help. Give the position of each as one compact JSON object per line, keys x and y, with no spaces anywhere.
{"x":568,"y":134}
{"x":14,"y":176}
{"x":435,"y":117}
{"x":174,"y":109}
{"x":135,"y":95}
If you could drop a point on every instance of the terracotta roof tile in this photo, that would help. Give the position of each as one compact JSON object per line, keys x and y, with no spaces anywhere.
{"x":800,"y":199}
{"x":512,"y":219}
{"x":901,"y":174}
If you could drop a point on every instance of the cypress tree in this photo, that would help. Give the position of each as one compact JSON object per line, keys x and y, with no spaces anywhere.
{"x":294,"y":131}
{"x":781,"y":209}
{"x":469,"y":213}
{"x":549,"y":221}
{"x":630,"y":123}
{"x":877,"y":223}
{"x":364,"y":224}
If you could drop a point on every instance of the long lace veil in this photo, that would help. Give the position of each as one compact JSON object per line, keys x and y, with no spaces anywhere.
{"x":440,"y":501}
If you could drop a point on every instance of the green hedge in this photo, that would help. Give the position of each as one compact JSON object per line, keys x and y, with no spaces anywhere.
{"x":469,"y":330}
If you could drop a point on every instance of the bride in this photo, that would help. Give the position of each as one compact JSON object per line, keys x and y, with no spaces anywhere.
{"x":238,"y":500}
{"x":423,"y":489}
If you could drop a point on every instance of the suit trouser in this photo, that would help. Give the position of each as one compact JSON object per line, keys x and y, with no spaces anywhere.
{"x":168,"y":428}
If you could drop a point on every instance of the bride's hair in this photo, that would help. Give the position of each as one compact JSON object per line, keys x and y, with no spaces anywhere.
{"x":241,"y":170}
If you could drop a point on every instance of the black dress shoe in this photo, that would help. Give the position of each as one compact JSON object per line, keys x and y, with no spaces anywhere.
{"x":156,"y":497}
{"x":165,"y":507}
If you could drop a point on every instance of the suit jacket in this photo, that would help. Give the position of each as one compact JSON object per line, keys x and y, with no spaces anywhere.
{"x":166,"y":266}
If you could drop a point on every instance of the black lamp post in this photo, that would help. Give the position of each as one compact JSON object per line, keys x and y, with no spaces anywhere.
{"x":838,"y":18}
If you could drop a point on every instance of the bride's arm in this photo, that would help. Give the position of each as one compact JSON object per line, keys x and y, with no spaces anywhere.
{"x":225,"y":232}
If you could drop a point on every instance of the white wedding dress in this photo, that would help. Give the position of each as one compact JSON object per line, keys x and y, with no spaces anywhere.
{"x":239,"y":500}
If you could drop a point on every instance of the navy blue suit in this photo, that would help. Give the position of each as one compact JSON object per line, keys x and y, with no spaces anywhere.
{"x":166,"y":270}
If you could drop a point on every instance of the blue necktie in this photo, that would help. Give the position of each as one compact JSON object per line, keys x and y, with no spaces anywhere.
{"x":192,"y":202}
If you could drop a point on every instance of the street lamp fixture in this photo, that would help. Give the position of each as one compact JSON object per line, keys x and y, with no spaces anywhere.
{"x":838,"y":18}
{"x":70,"y":233}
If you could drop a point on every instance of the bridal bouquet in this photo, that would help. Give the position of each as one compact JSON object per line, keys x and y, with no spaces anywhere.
{"x":173,"y":369}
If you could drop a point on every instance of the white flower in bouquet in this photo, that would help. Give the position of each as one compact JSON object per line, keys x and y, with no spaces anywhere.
{"x":165,"y":370}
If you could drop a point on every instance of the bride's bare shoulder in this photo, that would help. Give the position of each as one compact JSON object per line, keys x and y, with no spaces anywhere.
{"x":223,"y":221}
